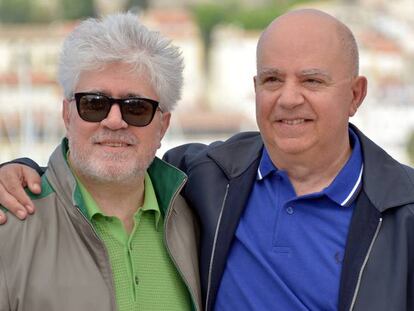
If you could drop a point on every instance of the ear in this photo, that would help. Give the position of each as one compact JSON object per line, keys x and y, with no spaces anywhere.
{"x":255,"y":82}
{"x":359,"y":91}
{"x":66,"y":112}
{"x":165,"y":123}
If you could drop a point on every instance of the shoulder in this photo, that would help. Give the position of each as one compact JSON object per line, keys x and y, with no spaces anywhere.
{"x":190,"y":154}
{"x":409,"y":172}
{"x":15,"y":231}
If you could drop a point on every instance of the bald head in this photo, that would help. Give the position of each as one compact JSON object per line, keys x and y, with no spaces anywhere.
{"x":309,"y":23}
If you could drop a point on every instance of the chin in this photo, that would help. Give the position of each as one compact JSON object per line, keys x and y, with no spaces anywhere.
{"x":110,"y":171}
{"x":111,"y":167}
{"x":114,"y":173}
{"x":293,"y":146}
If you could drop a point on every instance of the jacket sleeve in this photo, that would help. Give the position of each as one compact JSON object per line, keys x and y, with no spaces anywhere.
{"x":29,"y":162}
{"x":4,"y":292}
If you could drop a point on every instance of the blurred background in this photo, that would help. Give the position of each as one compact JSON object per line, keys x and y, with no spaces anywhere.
{"x":218,"y":41}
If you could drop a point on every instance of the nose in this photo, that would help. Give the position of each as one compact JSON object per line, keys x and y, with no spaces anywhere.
{"x":290,"y":96}
{"x":114,"y":119}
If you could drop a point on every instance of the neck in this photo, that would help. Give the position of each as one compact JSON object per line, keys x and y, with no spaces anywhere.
{"x":312,"y":171}
{"x":117,"y":199}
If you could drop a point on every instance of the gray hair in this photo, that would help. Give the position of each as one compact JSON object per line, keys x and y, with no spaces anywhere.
{"x":122,"y":38}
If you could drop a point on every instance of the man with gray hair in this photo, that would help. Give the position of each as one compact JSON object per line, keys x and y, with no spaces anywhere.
{"x":308,"y":214}
{"x":111,"y":229}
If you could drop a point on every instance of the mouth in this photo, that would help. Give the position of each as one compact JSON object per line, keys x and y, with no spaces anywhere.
{"x":114,"y":144}
{"x":293,"y":121}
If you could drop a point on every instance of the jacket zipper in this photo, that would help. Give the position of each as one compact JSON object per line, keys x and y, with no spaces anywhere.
{"x":88,"y":222}
{"x":364,"y":264}
{"x":210,"y":268}
{"x":169,"y":211}
{"x":114,"y":307}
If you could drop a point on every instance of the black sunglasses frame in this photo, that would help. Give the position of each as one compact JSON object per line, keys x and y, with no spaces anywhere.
{"x":123,"y":103}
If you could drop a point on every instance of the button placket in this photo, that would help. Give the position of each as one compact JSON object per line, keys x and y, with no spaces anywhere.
{"x":135,"y":278}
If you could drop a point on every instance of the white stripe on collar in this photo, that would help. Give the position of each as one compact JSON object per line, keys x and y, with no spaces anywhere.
{"x":355,"y":188}
{"x":260,"y":174}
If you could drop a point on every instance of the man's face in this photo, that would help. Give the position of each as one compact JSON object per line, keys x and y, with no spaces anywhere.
{"x":112,"y":150}
{"x":305,"y":89}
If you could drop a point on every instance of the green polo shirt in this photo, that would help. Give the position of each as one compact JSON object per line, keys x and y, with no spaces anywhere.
{"x":144,"y":276}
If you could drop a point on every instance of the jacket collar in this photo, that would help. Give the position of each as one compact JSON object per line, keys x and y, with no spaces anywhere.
{"x":237,"y":154}
{"x":386,"y":182}
{"x":167,"y":181}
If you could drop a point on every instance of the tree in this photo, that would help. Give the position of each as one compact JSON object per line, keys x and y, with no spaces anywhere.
{"x":140,"y":4}
{"x":76,"y":9}
{"x":35,"y":11}
{"x":208,"y":16}
{"x":15,"y":11}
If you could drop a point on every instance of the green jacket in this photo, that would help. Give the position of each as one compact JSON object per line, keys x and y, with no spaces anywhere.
{"x":55,"y":260}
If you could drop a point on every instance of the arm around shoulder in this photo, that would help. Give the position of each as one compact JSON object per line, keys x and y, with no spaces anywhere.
{"x":28,"y":162}
{"x":13,"y":178}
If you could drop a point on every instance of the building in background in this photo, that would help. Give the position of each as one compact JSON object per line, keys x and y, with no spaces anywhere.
{"x":385,"y":36}
{"x":218,"y":104}
{"x":30,"y":98}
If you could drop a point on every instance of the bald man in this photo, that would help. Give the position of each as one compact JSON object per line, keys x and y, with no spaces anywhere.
{"x":308,"y":214}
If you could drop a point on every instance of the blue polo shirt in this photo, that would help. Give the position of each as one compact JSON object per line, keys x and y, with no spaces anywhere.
{"x":287,"y":251}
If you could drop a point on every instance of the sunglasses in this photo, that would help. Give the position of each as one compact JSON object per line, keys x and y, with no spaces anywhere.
{"x":136,"y":111}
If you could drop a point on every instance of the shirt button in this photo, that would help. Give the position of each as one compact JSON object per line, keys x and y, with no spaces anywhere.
{"x":289,"y":210}
{"x":136,"y":280}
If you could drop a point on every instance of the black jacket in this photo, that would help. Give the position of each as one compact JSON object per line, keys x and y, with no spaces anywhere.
{"x":378,"y":267}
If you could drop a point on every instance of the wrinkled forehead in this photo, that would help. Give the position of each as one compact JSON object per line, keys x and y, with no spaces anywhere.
{"x":108,"y":70}
{"x":134,"y":70}
{"x":117,"y":79}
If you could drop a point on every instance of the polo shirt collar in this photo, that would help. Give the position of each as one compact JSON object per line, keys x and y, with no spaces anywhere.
{"x":150,"y":202}
{"x":266,"y":166}
{"x":346,"y":185}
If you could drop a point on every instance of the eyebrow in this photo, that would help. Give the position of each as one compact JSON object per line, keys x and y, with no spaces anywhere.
{"x":316,"y":72}
{"x":306,"y":72}
{"x":269,"y":71}
{"x":132,"y":95}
